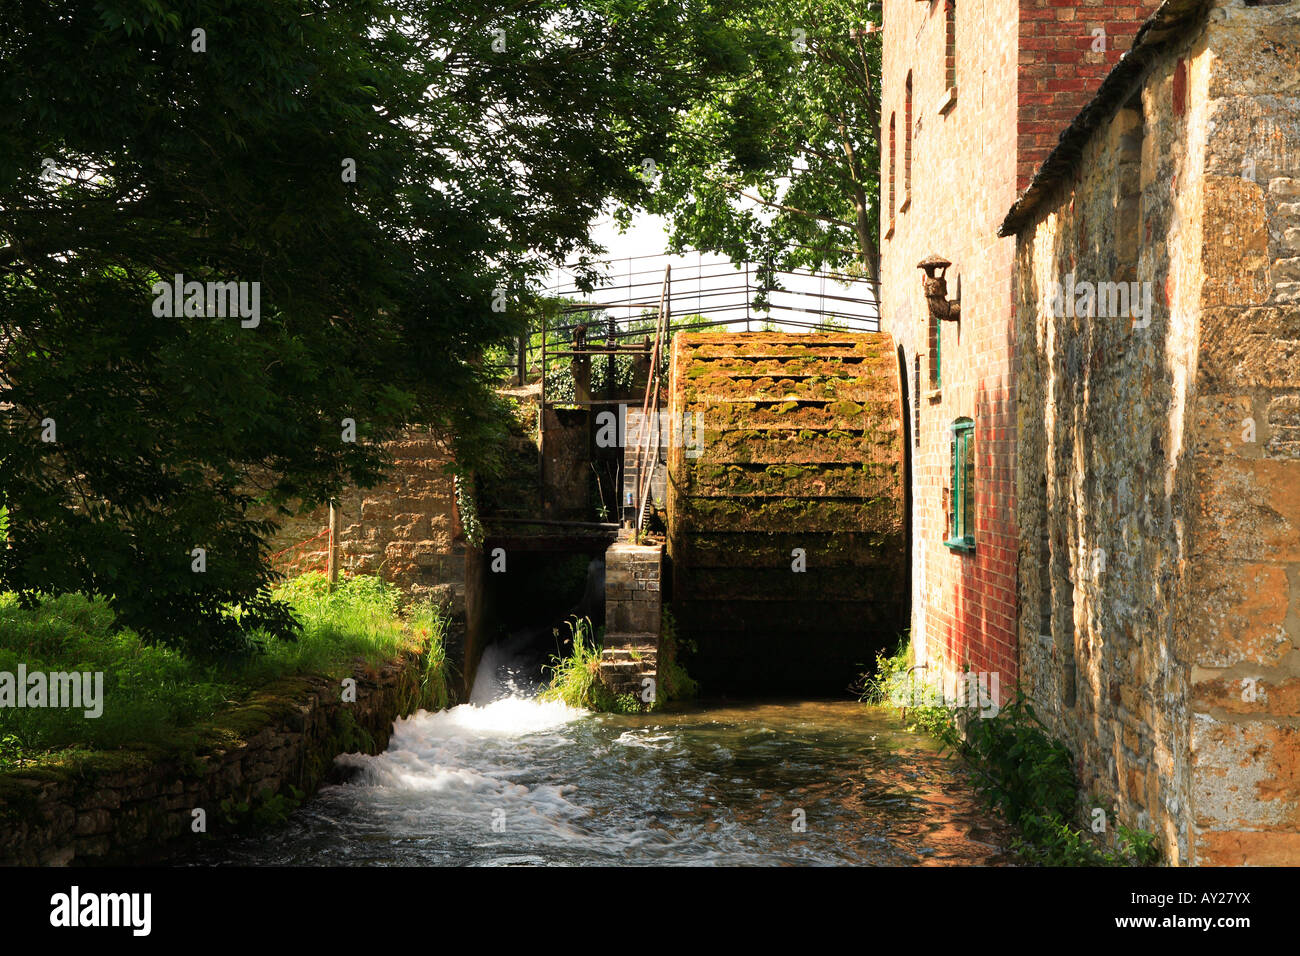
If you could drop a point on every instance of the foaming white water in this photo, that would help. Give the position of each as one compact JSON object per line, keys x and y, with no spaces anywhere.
{"x":470,"y":755}
{"x":640,"y":738}
{"x":516,"y":781}
{"x":499,"y":672}
{"x":506,"y":716}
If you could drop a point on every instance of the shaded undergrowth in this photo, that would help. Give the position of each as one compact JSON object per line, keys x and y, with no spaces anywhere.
{"x":153,"y":695}
{"x":1018,"y":768}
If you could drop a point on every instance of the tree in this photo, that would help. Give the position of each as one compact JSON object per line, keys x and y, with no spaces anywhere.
{"x":373,"y":187}
{"x":781,"y":166}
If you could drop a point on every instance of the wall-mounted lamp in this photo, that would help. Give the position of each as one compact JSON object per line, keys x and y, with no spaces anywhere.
{"x":935,"y":287}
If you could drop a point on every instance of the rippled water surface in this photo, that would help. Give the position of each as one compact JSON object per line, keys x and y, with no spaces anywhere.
{"x":518,"y":781}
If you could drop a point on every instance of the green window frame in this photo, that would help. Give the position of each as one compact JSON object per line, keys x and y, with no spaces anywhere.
{"x":934,"y":335}
{"x":961,"y":516}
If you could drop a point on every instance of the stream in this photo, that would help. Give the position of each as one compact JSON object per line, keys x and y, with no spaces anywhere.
{"x":510,"y":780}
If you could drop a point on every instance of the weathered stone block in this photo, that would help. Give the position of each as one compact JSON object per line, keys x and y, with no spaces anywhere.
{"x":1244,"y":847}
{"x":1225,"y":425}
{"x":1244,"y":775}
{"x":1237,"y":615}
{"x":1250,"y":348}
{"x":1273,"y":694}
{"x":1234,"y":254}
{"x":1248,"y":510}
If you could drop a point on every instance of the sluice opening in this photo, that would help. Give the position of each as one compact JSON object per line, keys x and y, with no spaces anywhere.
{"x":527,"y":600}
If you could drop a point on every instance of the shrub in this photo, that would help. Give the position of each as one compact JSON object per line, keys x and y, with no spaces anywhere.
{"x":575,"y":679}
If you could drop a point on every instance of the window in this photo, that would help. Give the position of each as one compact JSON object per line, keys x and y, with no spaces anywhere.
{"x":907,"y":144}
{"x":961,"y":507}
{"x":950,"y":43}
{"x":936,"y":342}
{"x":892,"y":162}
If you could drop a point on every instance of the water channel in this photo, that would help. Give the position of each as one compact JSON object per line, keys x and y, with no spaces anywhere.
{"x":508,"y":779}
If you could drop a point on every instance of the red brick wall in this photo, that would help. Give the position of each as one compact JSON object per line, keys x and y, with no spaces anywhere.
{"x":963,"y":181}
{"x":1060,"y":71}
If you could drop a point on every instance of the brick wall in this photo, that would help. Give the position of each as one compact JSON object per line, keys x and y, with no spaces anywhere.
{"x":963,"y":180}
{"x":993,"y":84}
{"x":1062,"y":62}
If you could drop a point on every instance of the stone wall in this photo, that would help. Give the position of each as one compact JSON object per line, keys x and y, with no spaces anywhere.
{"x":633,"y":612}
{"x":1240,"y":628}
{"x":1158,"y":478}
{"x":567,"y":475}
{"x":632,"y":592}
{"x":406,"y":529}
{"x":129,"y":806}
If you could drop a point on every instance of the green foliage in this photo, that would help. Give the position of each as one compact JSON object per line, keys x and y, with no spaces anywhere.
{"x":888,"y":680}
{"x":895,"y":682}
{"x":430,"y":621}
{"x":575,"y":677}
{"x":12,"y":753}
{"x":350,"y":736}
{"x":1140,"y":846}
{"x":674,"y":682}
{"x":153,"y":694}
{"x":468,"y":509}
{"x":474,"y":170}
{"x":1017,"y":767}
{"x":275,"y":808}
{"x":263,"y":809}
{"x":1049,"y":841}
{"x":1021,"y":768}
{"x":1028,"y":776}
{"x":781,"y":165}
{"x":148,"y":692}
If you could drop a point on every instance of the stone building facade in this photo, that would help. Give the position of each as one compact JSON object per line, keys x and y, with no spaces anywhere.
{"x":1158,"y":471}
{"x":973,"y":96}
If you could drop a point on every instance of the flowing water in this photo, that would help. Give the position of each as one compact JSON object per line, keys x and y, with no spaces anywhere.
{"x":511,"y":780}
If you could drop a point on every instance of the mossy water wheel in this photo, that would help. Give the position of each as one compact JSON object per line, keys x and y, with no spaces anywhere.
{"x":800,"y":450}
